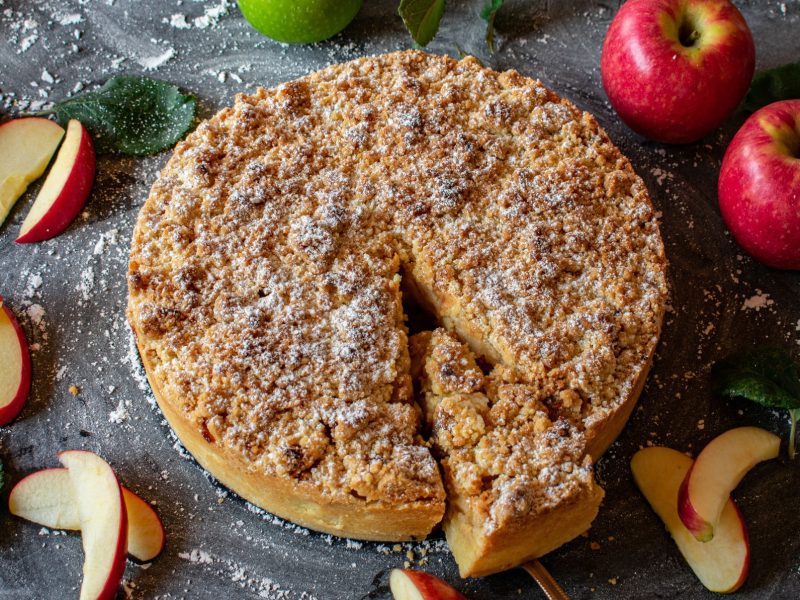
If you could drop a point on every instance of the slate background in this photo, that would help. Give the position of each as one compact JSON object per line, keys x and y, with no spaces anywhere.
{"x":216,"y":547}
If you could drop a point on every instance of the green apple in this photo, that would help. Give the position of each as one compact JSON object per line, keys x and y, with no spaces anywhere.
{"x":299,"y":21}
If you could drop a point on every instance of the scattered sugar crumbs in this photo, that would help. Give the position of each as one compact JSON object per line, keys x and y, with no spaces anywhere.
{"x":758,"y":301}
{"x":262,"y":587}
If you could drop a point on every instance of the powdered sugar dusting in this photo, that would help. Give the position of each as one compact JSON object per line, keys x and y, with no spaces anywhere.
{"x":151,"y":63}
{"x":119,"y":414}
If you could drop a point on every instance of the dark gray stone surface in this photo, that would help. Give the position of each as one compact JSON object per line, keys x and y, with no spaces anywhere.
{"x":70,"y":295}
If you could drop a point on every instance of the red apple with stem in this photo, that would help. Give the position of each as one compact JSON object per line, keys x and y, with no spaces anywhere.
{"x":759,"y":185}
{"x":675,"y":69}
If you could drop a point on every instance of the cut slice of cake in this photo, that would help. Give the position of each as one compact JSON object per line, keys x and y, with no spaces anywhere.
{"x":519,"y":483}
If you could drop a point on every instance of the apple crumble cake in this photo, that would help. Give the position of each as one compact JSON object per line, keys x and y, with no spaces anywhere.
{"x":267,"y":276}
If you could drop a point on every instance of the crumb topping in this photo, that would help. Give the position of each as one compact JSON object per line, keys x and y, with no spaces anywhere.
{"x":505,"y":451}
{"x":266,"y":266}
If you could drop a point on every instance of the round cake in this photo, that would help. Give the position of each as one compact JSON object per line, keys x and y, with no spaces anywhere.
{"x":279,"y":251}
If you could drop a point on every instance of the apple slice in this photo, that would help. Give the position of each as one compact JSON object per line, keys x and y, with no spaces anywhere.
{"x":715,"y":473}
{"x":15,"y":366}
{"x":721,"y":564}
{"x":26,"y":145}
{"x":46,"y":498}
{"x":104,"y":523}
{"x":65,"y":190}
{"x":145,"y":529}
{"x":407,"y":584}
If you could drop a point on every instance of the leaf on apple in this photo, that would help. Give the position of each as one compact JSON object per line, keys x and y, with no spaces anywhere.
{"x":488,"y":13}
{"x":769,"y":377}
{"x":781,"y":83}
{"x":131,"y":115}
{"x":421,"y":18}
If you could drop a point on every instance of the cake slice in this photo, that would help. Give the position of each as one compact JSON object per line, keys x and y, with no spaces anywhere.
{"x":519,"y":482}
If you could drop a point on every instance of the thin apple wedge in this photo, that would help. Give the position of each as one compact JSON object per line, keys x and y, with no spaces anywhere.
{"x":15,"y":366}
{"x":46,"y":498}
{"x":65,"y":190}
{"x":721,"y":564}
{"x":26,"y":145}
{"x":717,"y":471}
{"x":407,"y":584}
{"x":145,"y":529}
{"x":103,"y":520}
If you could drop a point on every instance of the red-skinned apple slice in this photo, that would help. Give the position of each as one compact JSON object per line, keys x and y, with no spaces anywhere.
{"x":721,"y":564}
{"x":715,"y":473}
{"x":46,"y":498}
{"x":65,"y":190}
{"x":15,"y":366}
{"x":26,"y":145}
{"x":407,"y":584}
{"x":104,"y":523}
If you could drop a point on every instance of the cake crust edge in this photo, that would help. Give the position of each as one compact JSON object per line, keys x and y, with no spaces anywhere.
{"x":293,"y":501}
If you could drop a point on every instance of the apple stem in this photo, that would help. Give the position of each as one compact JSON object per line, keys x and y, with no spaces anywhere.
{"x":794,"y":414}
{"x":688,"y":34}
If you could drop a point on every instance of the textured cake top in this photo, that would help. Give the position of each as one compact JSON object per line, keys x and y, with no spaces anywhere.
{"x":508,"y":450}
{"x":266,"y":263}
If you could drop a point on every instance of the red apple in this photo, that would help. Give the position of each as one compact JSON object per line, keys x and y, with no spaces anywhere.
{"x":715,"y":473}
{"x":759,"y":185}
{"x":407,"y":584}
{"x":26,"y":147}
{"x":46,"y":497}
{"x":721,"y":564}
{"x":65,"y":190}
{"x":104,"y":523}
{"x":675,"y":69}
{"x":15,"y":366}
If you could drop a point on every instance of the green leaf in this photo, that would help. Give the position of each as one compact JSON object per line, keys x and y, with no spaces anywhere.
{"x":770,"y":86}
{"x":488,"y":14}
{"x":421,"y":18}
{"x":131,"y":115}
{"x":768,"y":376}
